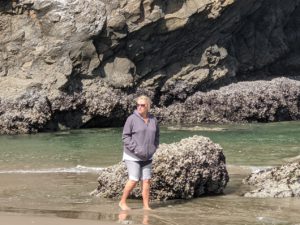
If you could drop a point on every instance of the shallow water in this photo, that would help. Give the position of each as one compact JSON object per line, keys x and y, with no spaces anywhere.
{"x":52,"y":174}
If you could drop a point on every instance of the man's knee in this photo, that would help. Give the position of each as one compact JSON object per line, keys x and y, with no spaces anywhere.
{"x":147,"y":181}
{"x":132,"y":181}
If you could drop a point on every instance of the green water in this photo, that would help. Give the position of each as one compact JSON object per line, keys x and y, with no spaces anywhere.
{"x":248,"y":144}
{"x":53,"y":173}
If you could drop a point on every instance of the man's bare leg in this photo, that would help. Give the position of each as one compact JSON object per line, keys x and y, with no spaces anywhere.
{"x":127,"y":189}
{"x":146,"y":193}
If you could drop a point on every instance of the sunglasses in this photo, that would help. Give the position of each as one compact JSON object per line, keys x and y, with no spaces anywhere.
{"x":141,"y":105}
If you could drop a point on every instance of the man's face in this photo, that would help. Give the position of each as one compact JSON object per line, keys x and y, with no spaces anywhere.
{"x":142,"y":106}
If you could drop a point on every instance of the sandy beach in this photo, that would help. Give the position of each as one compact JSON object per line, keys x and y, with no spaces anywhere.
{"x":19,"y":219}
{"x":48,"y":178}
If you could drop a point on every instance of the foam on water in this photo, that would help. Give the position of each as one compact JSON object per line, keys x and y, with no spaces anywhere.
{"x":257,"y":169}
{"x":77,"y":169}
{"x":250,"y":169}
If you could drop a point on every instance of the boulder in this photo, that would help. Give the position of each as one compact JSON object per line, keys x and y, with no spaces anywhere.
{"x":187,"y":169}
{"x":279,"y":182}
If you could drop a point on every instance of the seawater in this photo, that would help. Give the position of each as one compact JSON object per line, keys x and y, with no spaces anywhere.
{"x":52,"y":174}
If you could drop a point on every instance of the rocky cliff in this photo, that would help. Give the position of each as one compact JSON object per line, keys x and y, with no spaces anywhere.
{"x":74,"y":64}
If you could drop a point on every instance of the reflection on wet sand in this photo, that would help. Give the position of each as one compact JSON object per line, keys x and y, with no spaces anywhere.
{"x":124,"y":217}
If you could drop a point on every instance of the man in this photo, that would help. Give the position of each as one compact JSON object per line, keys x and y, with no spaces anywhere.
{"x":140,"y":140}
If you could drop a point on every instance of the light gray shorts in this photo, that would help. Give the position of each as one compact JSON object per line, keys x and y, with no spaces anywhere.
{"x":139,"y":170}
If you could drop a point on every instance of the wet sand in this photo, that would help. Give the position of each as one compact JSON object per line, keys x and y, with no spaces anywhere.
{"x":20,"y":219}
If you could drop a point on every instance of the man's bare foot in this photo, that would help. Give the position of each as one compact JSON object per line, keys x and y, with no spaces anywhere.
{"x":147,"y":208}
{"x":123,"y":206}
{"x":122,"y":215}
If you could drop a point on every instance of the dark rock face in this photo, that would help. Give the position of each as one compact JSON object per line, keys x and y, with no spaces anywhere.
{"x":278,"y":182}
{"x":190,"y":168}
{"x":89,"y":59}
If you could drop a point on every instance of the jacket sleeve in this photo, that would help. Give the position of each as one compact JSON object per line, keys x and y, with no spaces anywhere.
{"x":128,"y":142}
{"x":156,"y":142}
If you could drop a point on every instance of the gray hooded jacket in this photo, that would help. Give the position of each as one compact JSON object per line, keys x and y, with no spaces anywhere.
{"x":140,"y":139}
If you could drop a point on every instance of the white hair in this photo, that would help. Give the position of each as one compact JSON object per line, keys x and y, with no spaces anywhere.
{"x":146,"y":99}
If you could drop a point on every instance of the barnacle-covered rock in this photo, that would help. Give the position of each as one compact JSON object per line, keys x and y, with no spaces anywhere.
{"x":192,"y":167}
{"x":279,"y":182}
